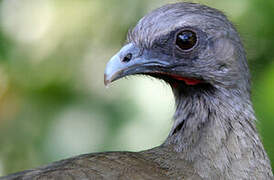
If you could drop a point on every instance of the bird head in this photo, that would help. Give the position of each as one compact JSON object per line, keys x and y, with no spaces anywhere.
{"x":187,"y":45}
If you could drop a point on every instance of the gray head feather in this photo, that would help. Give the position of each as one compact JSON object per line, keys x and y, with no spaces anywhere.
{"x":214,"y":122}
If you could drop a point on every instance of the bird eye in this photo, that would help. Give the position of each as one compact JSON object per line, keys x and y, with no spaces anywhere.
{"x":186,"y":40}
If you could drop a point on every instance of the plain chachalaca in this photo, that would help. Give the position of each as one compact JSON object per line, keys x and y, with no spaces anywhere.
{"x":198,"y":52}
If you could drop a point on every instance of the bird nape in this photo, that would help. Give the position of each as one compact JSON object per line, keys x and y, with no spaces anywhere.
{"x":198,"y":52}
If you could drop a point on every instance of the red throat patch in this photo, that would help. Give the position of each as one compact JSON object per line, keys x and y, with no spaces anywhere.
{"x":188,"y":81}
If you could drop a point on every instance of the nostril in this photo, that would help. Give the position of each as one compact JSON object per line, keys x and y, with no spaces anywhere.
{"x":127,"y":58}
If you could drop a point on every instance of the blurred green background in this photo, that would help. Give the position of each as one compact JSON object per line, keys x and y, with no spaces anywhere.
{"x":53,"y":103}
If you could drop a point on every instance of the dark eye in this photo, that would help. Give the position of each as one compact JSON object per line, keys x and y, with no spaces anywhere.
{"x":186,"y":40}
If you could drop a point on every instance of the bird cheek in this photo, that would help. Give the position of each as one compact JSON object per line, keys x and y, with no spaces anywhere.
{"x":223,"y":68}
{"x":224,"y":49}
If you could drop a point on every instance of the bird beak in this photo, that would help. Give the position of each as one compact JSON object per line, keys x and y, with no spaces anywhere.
{"x":130,"y":60}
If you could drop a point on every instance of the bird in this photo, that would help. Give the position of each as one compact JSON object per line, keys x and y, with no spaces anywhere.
{"x":198,"y":52}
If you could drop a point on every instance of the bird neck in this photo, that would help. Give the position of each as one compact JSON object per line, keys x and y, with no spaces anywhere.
{"x":207,"y":122}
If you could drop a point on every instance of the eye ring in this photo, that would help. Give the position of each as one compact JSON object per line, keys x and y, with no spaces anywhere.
{"x":186,"y":40}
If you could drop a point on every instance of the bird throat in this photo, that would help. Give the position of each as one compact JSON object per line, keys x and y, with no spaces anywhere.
{"x":204,"y":118}
{"x":188,"y":81}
